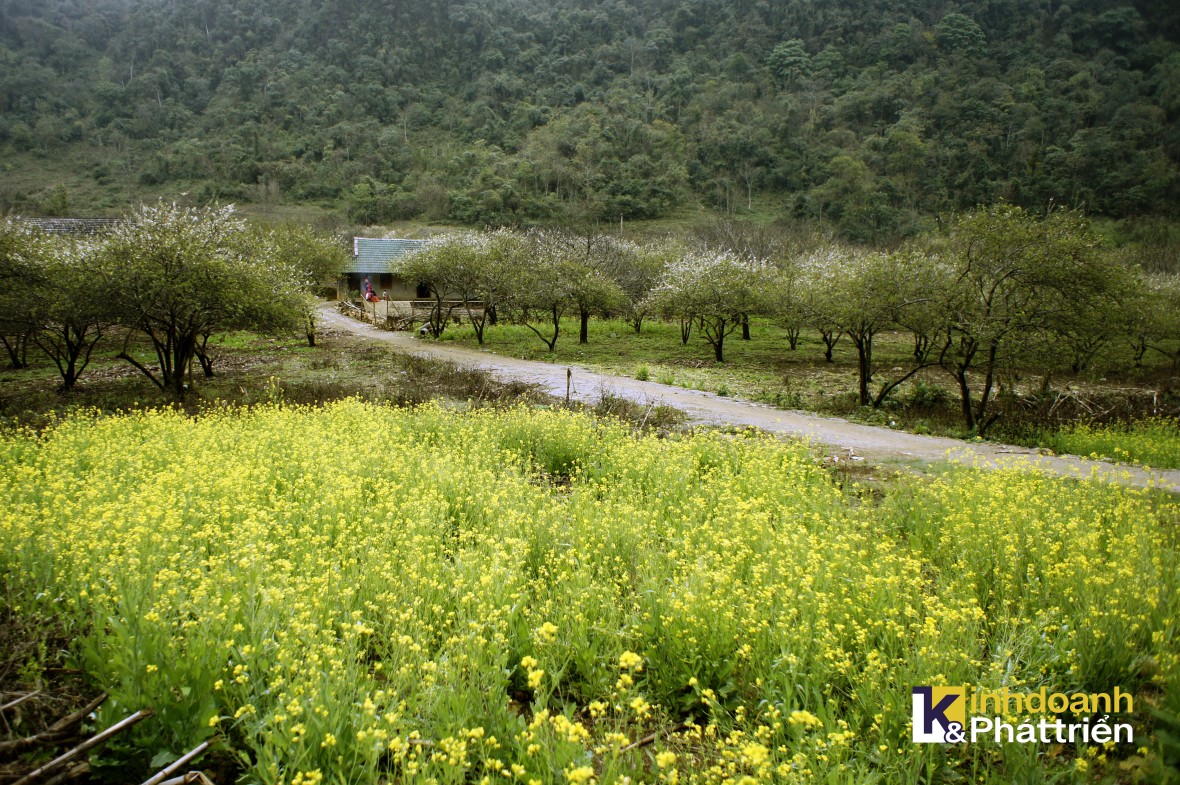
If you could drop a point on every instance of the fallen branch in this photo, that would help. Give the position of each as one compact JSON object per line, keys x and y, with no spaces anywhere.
{"x":648,"y":739}
{"x":19,"y":700}
{"x":192,"y":778}
{"x":78,"y":716}
{"x":57,"y":732}
{"x":9,"y":748}
{"x":93,"y":741}
{"x":177,"y":764}
{"x":70,"y":774}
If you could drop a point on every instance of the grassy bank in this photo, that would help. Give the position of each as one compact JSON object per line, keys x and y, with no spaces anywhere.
{"x":250,"y":369}
{"x":766,"y":370}
{"x":1151,"y":442}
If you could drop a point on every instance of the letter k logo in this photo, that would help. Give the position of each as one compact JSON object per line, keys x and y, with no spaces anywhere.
{"x":934,"y":711}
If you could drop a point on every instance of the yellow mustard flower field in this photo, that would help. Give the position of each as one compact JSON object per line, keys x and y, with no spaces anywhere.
{"x":358,"y":594}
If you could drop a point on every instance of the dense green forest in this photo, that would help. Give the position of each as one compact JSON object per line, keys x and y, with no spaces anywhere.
{"x":873,"y":117}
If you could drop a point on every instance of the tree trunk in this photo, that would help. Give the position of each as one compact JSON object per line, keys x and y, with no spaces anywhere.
{"x":123,"y":355}
{"x":75,"y":342}
{"x":793,"y":337}
{"x":207,"y":364}
{"x":685,"y":331}
{"x":71,"y":354}
{"x":890,"y":386}
{"x":921,"y":347}
{"x":18,"y":350}
{"x":1139,"y":349}
{"x":745,"y":327}
{"x":584,"y":331}
{"x":864,"y":359}
{"x":183,"y":352}
{"x":200,"y":349}
{"x":716,"y":338}
{"x":549,"y":342}
{"x":556,"y":329}
{"x":968,"y":410}
{"x":989,"y":378}
{"x":830,"y":339}
{"x":477,"y":324}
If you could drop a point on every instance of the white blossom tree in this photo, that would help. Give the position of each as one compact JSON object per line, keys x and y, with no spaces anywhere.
{"x":21,"y":272}
{"x":176,"y":274}
{"x":72,"y":304}
{"x":716,"y":289}
{"x":472,"y":270}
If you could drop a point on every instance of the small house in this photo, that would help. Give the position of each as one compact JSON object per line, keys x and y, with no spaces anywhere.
{"x":73,"y":226}
{"x":378,"y":260}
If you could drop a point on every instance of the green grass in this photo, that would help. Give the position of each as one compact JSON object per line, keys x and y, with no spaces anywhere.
{"x":248,"y":369}
{"x":763,"y":369}
{"x":1153,"y":442}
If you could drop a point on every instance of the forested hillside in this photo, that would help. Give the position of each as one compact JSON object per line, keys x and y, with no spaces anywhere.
{"x":872,"y":116}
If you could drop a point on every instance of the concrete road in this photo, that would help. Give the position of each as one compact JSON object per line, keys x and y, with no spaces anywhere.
{"x":844,"y":439}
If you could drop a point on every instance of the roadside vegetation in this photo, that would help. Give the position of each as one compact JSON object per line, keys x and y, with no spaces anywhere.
{"x":1002,"y":323}
{"x":764,"y":370}
{"x":254,"y":369}
{"x":1152,"y":441}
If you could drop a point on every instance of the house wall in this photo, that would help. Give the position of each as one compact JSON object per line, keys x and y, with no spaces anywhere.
{"x":396,"y":287}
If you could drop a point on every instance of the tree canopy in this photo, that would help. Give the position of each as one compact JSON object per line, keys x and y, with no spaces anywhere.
{"x":178,"y":274}
{"x":873,"y":118}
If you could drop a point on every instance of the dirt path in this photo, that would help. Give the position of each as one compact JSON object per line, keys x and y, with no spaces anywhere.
{"x":846,"y":439}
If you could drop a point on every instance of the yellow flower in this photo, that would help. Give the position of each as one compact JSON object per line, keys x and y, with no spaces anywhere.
{"x":630,"y":661}
{"x":579,"y":775}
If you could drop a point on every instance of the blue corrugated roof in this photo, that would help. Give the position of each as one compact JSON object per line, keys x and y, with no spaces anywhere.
{"x":374,"y":255}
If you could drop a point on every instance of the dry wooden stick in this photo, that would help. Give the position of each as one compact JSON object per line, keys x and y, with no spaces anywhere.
{"x":19,"y":700}
{"x":91,"y":742}
{"x":72,"y":773}
{"x":192,"y":778}
{"x":78,"y":716}
{"x":177,"y":764}
{"x":12,"y":747}
{"x":648,"y":739}
{"x":56,"y":732}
